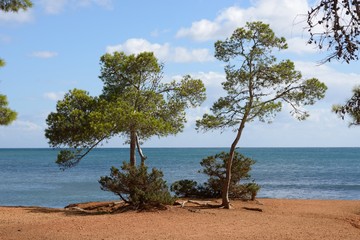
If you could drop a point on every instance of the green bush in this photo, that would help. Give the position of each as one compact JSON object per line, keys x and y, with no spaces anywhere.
{"x":246,"y":191}
{"x":215,"y":168}
{"x":137,"y":187}
{"x":184,"y":188}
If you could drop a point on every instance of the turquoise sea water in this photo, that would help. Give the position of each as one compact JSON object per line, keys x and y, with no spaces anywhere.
{"x":30,"y":177}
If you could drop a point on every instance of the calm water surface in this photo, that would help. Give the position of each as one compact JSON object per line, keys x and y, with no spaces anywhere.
{"x":31,"y":177}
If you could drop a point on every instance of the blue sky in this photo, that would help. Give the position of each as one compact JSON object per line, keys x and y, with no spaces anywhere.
{"x":56,"y":46}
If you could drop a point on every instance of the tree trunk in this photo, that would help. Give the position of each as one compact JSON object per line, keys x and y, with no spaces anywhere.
{"x":132,"y":148}
{"x":226,"y":186}
{"x":142,"y":156}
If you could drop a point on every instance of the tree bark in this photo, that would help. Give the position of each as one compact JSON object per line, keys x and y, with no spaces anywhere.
{"x":132,"y":148}
{"x":142,"y":156}
{"x":226,"y":186}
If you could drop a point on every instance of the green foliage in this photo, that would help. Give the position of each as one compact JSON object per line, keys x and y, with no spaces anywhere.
{"x":215,"y":168}
{"x":156,"y":108}
{"x":15,"y":5}
{"x":73,"y":116}
{"x":134,"y":104}
{"x":123,"y":73}
{"x":246,"y":191}
{"x":259,"y":86}
{"x":351,"y":107}
{"x":185,"y":188}
{"x":137,"y":187}
{"x":80,"y":122}
{"x":7,"y":115}
{"x":257,"y":35}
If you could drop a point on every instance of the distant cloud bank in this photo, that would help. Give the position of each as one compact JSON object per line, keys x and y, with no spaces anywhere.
{"x":54,"y":96}
{"x":263,"y":10}
{"x":57,"y":6}
{"x":44,"y":54}
{"x":19,"y":17}
{"x":164,"y":51}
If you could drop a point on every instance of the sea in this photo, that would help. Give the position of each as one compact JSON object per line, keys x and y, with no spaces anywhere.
{"x":30,"y":177}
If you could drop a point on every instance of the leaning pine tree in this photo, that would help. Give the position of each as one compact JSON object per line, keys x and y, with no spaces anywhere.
{"x":257,"y":85}
{"x":134,"y":104}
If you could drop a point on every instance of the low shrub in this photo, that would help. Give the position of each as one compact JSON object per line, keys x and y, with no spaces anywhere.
{"x":247,"y":191}
{"x":215,"y":168}
{"x":185,"y":188}
{"x":138,"y":187}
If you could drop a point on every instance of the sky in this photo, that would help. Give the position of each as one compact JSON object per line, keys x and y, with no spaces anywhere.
{"x":56,"y":46}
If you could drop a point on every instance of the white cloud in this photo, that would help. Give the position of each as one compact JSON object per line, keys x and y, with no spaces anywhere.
{"x":340,"y":84}
{"x":138,"y":45}
{"x":108,"y":4}
{"x":321,"y":120}
{"x":157,"y":32}
{"x":195,"y":114}
{"x":102,"y":3}
{"x":284,"y":17}
{"x":44,"y":54}
{"x":180,"y":54}
{"x":211,"y":79}
{"x":202,"y":30}
{"x":53,"y":6}
{"x":57,"y":6}
{"x":162,"y":51}
{"x":212,"y":82}
{"x":299,"y":45}
{"x":26,"y":125}
{"x":19,"y":17}
{"x":324,"y":117}
{"x":214,"y":90}
{"x":54,"y":96}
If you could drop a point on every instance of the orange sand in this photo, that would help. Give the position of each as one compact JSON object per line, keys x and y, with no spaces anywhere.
{"x":280,"y":219}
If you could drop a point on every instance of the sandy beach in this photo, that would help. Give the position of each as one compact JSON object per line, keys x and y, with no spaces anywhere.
{"x":279,"y":219}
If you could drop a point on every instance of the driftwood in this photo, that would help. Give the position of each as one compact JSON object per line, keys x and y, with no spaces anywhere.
{"x":80,"y":210}
{"x":96,"y":207}
{"x":199,"y":203}
{"x":253,"y":209}
{"x":211,"y":204}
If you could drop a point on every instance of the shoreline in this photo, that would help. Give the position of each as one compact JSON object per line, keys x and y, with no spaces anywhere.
{"x":279,"y":219}
{"x":258,"y":199}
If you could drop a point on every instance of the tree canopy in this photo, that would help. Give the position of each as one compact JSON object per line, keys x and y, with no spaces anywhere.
{"x":15,"y":5}
{"x":134,"y":104}
{"x":7,"y":115}
{"x":334,"y":25}
{"x":257,"y":85}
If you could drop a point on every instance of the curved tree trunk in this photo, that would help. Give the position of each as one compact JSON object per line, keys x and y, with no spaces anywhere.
{"x":142,"y":156}
{"x":225,"y":188}
{"x":132,"y":148}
